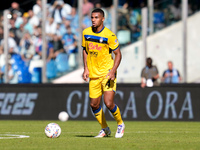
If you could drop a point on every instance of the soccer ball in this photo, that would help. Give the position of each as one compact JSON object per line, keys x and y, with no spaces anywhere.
{"x":63,"y":116}
{"x":52,"y":130}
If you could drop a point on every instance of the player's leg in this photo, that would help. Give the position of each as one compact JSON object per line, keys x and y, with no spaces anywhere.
{"x":114,"y":109}
{"x":95,"y":93}
{"x":99,"y":114}
{"x":98,"y":111}
{"x":109,"y":93}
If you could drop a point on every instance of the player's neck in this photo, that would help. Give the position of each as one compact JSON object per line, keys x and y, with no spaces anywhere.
{"x":98,"y":29}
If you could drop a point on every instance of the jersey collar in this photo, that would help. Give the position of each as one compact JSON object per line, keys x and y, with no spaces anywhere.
{"x":100,"y":30}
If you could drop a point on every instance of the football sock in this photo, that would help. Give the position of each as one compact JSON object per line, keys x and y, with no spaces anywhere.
{"x":99,"y":114}
{"x":117,"y":115}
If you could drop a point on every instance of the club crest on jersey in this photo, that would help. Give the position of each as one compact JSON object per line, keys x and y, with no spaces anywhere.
{"x":101,"y":40}
{"x":94,"y":46}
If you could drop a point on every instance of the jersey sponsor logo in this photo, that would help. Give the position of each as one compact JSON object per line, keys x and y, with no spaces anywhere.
{"x":94,"y":46}
{"x":94,"y":54}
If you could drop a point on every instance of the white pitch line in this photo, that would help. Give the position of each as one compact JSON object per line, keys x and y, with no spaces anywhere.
{"x":13,"y":136}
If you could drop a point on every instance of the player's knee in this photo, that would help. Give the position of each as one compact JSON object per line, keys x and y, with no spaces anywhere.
{"x":94,"y":106}
{"x":110,"y":105}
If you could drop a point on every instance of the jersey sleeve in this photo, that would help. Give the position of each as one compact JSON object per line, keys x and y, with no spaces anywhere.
{"x":113,"y":42}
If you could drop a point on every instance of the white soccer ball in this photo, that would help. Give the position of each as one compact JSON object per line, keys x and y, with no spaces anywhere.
{"x":52,"y":130}
{"x":63,"y":116}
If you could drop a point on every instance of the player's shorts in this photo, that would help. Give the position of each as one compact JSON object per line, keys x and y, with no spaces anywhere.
{"x":97,"y":86}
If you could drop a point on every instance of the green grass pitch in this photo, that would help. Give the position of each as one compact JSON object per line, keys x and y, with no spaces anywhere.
{"x":80,"y":135}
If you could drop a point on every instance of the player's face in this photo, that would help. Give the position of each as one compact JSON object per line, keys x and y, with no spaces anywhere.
{"x":97,"y":19}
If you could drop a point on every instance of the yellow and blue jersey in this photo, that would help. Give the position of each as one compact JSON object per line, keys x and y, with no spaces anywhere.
{"x":99,"y":47}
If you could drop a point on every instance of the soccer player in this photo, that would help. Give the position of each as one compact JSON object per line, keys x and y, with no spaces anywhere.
{"x":98,"y":43}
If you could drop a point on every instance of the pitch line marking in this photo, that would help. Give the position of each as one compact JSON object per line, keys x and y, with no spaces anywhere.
{"x":13,"y":136}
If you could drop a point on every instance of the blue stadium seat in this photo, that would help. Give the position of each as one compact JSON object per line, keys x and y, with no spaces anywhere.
{"x":51,"y":70}
{"x":36,"y":76}
{"x":62,"y":62}
{"x":17,"y":66}
{"x":17,"y":62}
{"x":24,"y":75}
{"x":3,"y":69}
{"x":159,"y":17}
{"x":15,"y":58}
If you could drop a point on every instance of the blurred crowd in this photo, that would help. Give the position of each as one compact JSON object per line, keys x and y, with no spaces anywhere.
{"x":62,"y":30}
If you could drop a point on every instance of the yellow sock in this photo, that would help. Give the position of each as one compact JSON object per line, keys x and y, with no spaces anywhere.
{"x":117,"y":115}
{"x":99,"y":114}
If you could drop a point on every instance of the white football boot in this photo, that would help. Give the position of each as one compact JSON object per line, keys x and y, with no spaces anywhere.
{"x":104,"y":133}
{"x":120,"y":131}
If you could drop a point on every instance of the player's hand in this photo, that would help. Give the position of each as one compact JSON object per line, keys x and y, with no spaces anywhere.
{"x":111,"y":75}
{"x":86,"y":75}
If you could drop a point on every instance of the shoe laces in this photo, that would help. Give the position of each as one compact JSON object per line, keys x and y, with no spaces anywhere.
{"x":102,"y":131}
{"x":119,"y":128}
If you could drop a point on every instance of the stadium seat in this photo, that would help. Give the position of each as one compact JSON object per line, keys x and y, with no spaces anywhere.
{"x":62,"y":62}
{"x":124,"y":36}
{"x":36,"y":76}
{"x":159,"y":17}
{"x":51,"y":70}
{"x":16,"y":62}
{"x":15,"y":58}
{"x":23,"y":75}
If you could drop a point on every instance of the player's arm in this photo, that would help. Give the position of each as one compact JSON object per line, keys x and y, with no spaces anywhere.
{"x":143,"y":79}
{"x":156,"y":76}
{"x":86,"y":71}
{"x":118,"y":57}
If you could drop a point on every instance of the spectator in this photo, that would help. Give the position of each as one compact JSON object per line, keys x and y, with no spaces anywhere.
{"x":15,"y":7}
{"x":20,"y":31}
{"x":2,"y":58}
{"x":11,"y":74}
{"x":27,"y":47}
{"x":175,"y":11}
{"x":149,"y":74}
{"x":37,"y":9}
{"x":2,"y":63}
{"x":60,"y":30}
{"x":57,"y":46}
{"x":1,"y":33}
{"x":50,"y":28}
{"x":12,"y":26}
{"x":74,"y":21}
{"x":38,"y":46}
{"x":27,"y":26}
{"x":12,"y":46}
{"x":171,"y":75}
{"x":18,"y":19}
{"x":69,"y":41}
{"x":60,"y":10}
{"x":70,"y":46}
{"x":17,"y":40}
{"x":86,"y":21}
{"x":87,"y":7}
{"x":37,"y":41}
{"x":33,"y":19}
